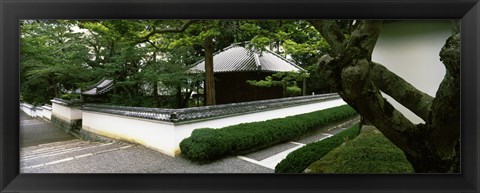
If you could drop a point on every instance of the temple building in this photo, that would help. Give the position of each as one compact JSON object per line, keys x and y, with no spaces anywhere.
{"x":234,"y":65}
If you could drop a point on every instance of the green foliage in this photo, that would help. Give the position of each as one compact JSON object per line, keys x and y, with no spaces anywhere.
{"x":59,"y":56}
{"x":260,"y":42}
{"x":209,"y":144}
{"x":288,"y":80}
{"x":52,"y":60}
{"x":293,"y":91}
{"x":69,"y":96}
{"x":268,"y":82}
{"x":370,"y":152}
{"x":298,"y":160}
{"x":315,"y":83}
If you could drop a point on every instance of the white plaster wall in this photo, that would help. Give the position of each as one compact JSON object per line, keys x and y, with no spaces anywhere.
{"x":32,"y":112}
{"x":67,"y":112}
{"x":46,"y":113}
{"x":28,"y":109}
{"x":38,"y":112}
{"x":153,"y":134}
{"x":411,"y":50}
{"x":183,"y":131}
{"x":166,"y":137}
{"x":76,"y":113}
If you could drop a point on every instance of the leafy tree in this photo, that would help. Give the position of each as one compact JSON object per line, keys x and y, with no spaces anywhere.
{"x":430,"y":147}
{"x":51,"y":60}
{"x":128,"y":52}
{"x":295,"y":39}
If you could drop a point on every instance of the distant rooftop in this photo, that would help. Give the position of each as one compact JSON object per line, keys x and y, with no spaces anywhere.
{"x":237,"y":58}
{"x":100,"y":87}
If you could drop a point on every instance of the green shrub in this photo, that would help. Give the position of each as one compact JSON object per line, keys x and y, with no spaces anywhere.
{"x":293,"y":91}
{"x":68,"y":96}
{"x":300,"y":159}
{"x":370,"y":152}
{"x":209,"y":144}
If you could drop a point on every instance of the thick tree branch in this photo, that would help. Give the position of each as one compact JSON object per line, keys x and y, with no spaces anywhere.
{"x":332,"y":34}
{"x":167,"y":30}
{"x":392,"y":123}
{"x":430,"y":147}
{"x":363,"y":38}
{"x":350,"y":73}
{"x":445,"y":118}
{"x":359,"y":91}
{"x":402,"y":91}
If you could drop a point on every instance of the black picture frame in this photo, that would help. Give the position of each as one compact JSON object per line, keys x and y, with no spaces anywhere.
{"x":13,"y":10}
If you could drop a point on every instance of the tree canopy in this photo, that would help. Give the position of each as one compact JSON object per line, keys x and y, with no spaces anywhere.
{"x":148,"y":57}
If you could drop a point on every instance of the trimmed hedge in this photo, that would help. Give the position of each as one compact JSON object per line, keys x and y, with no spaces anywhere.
{"x":298,"y":160}
{"x":208,"y":144}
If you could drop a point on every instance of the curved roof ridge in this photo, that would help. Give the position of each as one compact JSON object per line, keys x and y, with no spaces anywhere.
{"x":102,"y":86}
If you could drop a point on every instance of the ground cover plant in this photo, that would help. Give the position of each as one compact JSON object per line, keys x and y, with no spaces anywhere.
{"x":208,"y":144}
{"x":300,"y":159}
{"x":370,"y":152}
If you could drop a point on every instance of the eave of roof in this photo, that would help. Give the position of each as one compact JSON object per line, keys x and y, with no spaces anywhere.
{"x":100,"y":87}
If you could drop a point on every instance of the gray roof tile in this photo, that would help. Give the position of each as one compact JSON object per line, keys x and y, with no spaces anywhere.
{"x":236,"y":58}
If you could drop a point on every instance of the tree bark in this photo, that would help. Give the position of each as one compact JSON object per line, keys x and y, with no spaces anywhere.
{"x":332,"y":34}
{"x":409,"y":96}
{"x":155,"y":94}
{"x":179,"y":98}
{"x":430,"y":147}
{"x":209,"y":75}
{"x":186,"y":98}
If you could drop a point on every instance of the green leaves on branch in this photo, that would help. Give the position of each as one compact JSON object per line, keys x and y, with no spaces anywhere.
{"x":51,"y":60}
{"x":287,"y":80}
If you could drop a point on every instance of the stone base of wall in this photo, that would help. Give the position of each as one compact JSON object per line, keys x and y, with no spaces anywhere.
{"x":87,"y":135}
{"x":73,"y":126}
{"x":46,"y":119}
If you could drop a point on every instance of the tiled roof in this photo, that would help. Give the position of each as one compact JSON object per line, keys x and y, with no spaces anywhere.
{"x":100,"y":87}
{"x":236,"y":58}
{"x":207,"y":112}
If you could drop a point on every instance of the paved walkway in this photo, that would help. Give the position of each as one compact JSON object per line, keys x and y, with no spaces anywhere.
{"x":35,"y":132}
{"x":54,"y":151}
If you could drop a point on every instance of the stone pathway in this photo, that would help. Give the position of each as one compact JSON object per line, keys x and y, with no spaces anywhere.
{"x":35,"y":131}
{"x":63,"y":151}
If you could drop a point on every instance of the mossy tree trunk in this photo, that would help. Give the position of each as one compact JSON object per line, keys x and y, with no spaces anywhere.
{"x":430,"y":147}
